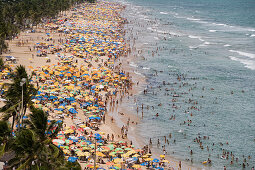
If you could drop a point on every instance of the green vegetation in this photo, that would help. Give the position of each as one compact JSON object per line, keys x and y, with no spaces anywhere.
{"x":13,"y":104}
{"x":33,"y":145}
{"x":16,"y":15}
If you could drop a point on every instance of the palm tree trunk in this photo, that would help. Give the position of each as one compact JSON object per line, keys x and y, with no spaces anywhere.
{"x":13,"y":119}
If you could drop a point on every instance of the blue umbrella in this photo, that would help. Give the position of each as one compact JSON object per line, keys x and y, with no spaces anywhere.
{"x":72,"y":110}
{"x":72,"y":159}
{"x":98,"y":136}
{"x":100,"y":141}
{"x":144,"y":163}
{"x":82,"y":137}
{"x":59,"y":121}
{"x":155,"y":160}
{"x":70,"y":99}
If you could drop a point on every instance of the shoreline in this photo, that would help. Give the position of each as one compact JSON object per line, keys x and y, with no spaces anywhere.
{"x":22,"y":54}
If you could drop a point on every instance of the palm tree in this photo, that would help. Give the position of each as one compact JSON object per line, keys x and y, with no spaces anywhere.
{"x":2,"y":66}
{"x":13,"y":104}
{"x":5,"y":134}
{"x":33,"y":145}
{"x":38,"y":122}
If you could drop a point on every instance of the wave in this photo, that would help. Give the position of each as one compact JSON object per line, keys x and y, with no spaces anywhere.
{"x":219,"y":24}
{"x":164,"y":32}
{"x":164,"y":13}
{"x":252,"y":35}
{"x":247,"y":63}
{"x":192,"y":47}
{"x":139,"y":73}
{"x":227,"y":45}
{"x":193,"y":19}
{"x":156,"y":38}
{"x":133,"y":64}
{"x":250,"y":55}
{"x":196,"y":37}
{"x":201,"y":22}
{"x":146,"y":68}
{"x":212,"y":30}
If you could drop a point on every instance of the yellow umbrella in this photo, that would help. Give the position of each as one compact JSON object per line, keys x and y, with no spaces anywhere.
{"x":136,"y":155}
{"x":59,"y":112}
{"x":148,"y":159}
{"x":117,"y":160}
{"x":166,"y":161}
{"x":66,"y":151}
{"x":136,"y":166}
{"x":87,"y":154}
{"x":100,"y":154}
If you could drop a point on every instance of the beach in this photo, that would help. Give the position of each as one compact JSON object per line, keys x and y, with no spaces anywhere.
{"x":81,"y":65}
{"x":145,"y":84}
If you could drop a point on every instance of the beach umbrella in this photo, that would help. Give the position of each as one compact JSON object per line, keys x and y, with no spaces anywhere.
{"x":148,"y":159}
{"x":135,"y":156}
{"x":136,"y":166}
{"x":117,"y":160}
{"x":155,"y":160}
{"x":66,"y":151}
{"x":112,"y":153}
{"x":166,"y":161}
{"x":100,"y":154}
{"x":144,"y":164}
{"x":83,"y":126}
{"x":72,"y":159}
{"x":162,"y":156}
{"x":72,"y":110}
{"x":160,"y":168}
{"x":59,"y":141}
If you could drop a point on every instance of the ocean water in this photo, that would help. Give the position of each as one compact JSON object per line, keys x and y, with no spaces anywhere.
{"x":210,"y":45}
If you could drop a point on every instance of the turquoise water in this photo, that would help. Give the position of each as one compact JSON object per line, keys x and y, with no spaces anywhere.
{"x":211,"y":44}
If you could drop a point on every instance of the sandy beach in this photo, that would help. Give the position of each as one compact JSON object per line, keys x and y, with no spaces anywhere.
{"x":57,"y":47}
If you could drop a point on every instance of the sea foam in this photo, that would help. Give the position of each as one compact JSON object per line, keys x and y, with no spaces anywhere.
{"x":250,"y":55}
{"x":196,"y":37}
{"x":247,"y":63}
{"x":164,"y":13}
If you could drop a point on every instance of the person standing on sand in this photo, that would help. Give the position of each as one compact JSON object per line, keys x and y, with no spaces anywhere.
{"x":112,"y":137}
